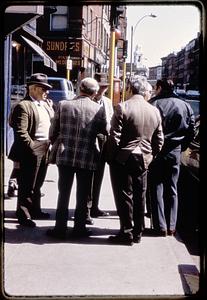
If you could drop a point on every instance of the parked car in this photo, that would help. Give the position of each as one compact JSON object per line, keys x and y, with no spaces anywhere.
{"x":195,"y":105}
{"x":62,"y":89}
{"x":189,"y":187}
{"x":18,"y":91}
{"x":192,"y":94}
{"x":191,"y":157}
{"x":180,"y":92}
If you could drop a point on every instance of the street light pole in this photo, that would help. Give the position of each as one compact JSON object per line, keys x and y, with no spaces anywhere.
{"x":132,"y":37}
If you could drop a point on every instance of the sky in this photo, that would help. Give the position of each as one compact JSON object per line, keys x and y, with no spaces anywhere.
{"x":170,"y":31}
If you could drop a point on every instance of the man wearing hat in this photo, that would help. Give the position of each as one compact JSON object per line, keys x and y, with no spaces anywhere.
{"x":101,"y":99}
{"x":30,"y":121}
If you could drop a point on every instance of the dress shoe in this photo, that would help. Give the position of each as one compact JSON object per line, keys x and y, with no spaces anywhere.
{"x":40,"y":215}
{"x":155,"y":232}
{"x":58,"y":234}
{"x":160,"y":232}
{"x":121,"y":239}
{"x":89,"y":221}
{"x":80,"y":233}
{"x":11,"y":192}
{"x":147,"y":215}
{"x":27,"y":222}
{"x":98,"y":213}
{"x":137,"y":238}
{"x":171,"y":232}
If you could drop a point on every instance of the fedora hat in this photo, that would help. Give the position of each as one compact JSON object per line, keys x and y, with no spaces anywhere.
{"x":39,"y":79}
{"x":101,"y":78}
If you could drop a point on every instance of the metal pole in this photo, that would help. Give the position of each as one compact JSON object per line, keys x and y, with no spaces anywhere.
{"x":132,"y":37}
{"x":111,"y":63}
{"x":68,"y":74}
{"x":131,"y":52}
{"x":124,"y":81}
{"x":68,"y":68}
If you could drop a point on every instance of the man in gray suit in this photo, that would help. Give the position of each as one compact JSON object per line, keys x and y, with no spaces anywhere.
{"x":76,"y":125}
{"x":135,"y":138}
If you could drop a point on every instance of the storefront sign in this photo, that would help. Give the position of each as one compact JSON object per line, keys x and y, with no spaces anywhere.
{"x":56,"y":46}
{"x":66,"y":47}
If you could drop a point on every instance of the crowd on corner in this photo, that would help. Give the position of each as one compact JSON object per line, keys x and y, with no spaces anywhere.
{"x":141,"y":139}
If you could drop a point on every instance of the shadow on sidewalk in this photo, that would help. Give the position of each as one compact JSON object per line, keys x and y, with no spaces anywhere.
{"x":37,"y":235}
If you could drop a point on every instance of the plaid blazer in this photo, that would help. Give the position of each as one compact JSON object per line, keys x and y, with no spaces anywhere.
{"x":74,"y":128}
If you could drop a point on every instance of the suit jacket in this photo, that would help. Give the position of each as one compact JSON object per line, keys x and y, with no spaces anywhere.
{"x":76,"y":125}
{"x":25,"y":120}
{"x":135,"y":127}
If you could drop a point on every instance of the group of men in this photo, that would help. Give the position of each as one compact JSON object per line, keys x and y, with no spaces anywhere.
{"x":141,"y":139}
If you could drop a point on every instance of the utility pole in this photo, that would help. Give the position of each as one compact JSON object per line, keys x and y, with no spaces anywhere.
{"x":125,"y":50}
{"x":124,"y":81}
{"x":132,"y":37}
{"x":111,"y":63}
{"x":112,"y":52}
{"x":116,"y":10}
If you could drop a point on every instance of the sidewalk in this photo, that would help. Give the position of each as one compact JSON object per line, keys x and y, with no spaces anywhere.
{"x":36,"y":265}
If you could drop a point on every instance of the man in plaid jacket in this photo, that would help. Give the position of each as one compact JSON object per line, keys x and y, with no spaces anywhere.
{"x":76,"y":125}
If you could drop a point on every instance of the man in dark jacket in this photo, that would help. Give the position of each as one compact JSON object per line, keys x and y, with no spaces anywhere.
{"x":30,"y":121}
{"x":178,"y":126}
{"x":135,"y":137}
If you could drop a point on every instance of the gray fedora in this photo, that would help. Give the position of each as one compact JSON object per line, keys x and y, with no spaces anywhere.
{"x":101,"y":78}
{"x":39,"y":79}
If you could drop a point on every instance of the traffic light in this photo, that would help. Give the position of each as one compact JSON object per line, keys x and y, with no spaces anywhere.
{"x":116,"y":11}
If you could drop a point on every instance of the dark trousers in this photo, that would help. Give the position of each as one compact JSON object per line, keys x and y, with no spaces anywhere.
{"x":97,"y":179}
{"x":65,"y":182}
{"x":96,"y":186}
{"x":32,"y":174}
{"x":129,"y":184}
{"x":163,"y":179}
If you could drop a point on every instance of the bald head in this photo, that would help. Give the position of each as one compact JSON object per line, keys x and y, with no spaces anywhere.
{"x":89,"y":86}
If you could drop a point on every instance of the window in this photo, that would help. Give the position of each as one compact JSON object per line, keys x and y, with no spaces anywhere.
{"x":59,"y":19}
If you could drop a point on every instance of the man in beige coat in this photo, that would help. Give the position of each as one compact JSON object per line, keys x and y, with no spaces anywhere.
{"x":30,"y":121}
{"x":136,"y":137}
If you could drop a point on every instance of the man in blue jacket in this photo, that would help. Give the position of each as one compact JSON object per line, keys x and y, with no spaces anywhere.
{"x":178,"y":126}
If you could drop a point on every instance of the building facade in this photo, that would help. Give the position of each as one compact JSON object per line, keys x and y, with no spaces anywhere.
{"x":183,"y":67}
{"x":81,"y":34}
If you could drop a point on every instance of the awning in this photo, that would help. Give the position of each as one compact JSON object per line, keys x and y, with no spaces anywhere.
{"x":47,"y":60}
{"x":17,"y":16}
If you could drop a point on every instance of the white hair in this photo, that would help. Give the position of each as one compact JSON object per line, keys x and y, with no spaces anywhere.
{"x":89,"y":86}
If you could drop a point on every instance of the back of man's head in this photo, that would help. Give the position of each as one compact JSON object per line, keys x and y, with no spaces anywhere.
{"x":89,"y":86}
{"x":138,"y":86}
{"x":165,"y":84}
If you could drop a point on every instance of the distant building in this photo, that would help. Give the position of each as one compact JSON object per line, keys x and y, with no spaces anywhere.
{"x":155,"y":73}
{"x":183,"y":67}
